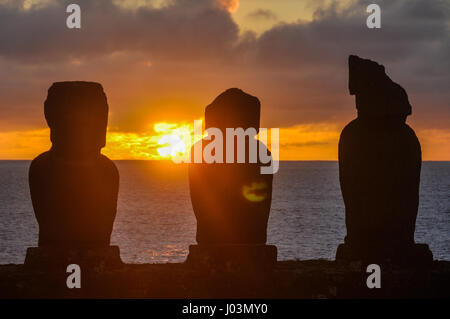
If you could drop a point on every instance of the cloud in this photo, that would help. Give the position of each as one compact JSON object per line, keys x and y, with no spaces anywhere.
{"x":309,"y":142}
{"x":262,"y":14}
{"x":40,"y":34}
{"x":16,"y":145}
{"x":435,"y":144}
{"x":302,"y":144}
{"x":414,"y":47}
{"x":229,"y":5}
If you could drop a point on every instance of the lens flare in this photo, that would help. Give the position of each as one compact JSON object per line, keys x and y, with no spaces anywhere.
{"x":256,"y":192}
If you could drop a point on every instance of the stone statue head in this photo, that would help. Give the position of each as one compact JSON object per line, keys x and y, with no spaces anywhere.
{"x":232,"y":109}
{"x":77,"y":114}
{"x":376,"y":94}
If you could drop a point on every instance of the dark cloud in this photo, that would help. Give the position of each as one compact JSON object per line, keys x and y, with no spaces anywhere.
{"x":175,"y":31}
{"x":413,"y":47}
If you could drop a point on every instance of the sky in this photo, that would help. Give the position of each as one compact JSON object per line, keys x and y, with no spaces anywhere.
{"x":161,"y":63}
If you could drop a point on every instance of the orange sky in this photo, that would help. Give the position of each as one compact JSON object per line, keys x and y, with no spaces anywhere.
{"x":301,"y":142}
{"x":161,"y":62}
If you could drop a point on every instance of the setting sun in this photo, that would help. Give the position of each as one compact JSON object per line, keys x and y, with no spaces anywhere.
{"x":174,"y":139}
{"x":174,"y":145}
{"x":163,"y":141}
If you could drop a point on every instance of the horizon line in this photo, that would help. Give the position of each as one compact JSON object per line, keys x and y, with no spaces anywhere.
{"x":168,"y":160}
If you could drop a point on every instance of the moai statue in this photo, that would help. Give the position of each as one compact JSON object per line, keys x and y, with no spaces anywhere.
{"x":231,"y":201}
{"x":74,"y":187}
{"x":379,"y":170}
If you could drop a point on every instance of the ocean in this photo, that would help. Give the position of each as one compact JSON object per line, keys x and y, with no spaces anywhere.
{"x":155,"y":222}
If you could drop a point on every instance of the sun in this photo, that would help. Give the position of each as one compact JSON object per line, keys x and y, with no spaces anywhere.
{"x":174,"y":139}
{"x":161,"y":141}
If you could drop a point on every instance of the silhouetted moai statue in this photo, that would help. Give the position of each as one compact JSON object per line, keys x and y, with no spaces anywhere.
{"x":231,"y":201}
{"x":74,"y":187}
{"x":379,"y":170}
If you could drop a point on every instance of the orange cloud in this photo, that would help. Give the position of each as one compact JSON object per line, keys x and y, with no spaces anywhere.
{"x":24,"y":144}
{"x":229,"y":5}
{"x":435,"y":144}
{"x":309,"y":142}
{"x":299,"y":142}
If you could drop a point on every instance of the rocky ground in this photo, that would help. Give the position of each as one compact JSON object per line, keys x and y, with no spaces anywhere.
{"x":289,"y":279}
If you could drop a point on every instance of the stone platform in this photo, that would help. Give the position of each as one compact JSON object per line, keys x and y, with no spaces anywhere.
{"x":287,"y":279}
{"x":45,"y":257}
{"x":232,"y":256}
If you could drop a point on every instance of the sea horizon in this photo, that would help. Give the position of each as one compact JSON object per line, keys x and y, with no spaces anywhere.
{"x":170,"y":161}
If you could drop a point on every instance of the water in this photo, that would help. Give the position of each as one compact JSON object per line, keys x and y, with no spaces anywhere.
{"x":155,"y":222}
